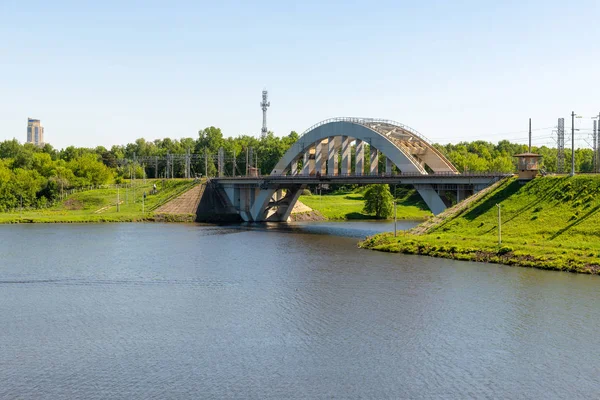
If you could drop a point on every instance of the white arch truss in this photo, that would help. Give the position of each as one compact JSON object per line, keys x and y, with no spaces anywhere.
{"x":411,"y":152}
{"x":403,"y":146}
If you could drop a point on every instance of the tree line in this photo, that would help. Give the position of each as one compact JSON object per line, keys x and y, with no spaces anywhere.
{"x":37,"y":176}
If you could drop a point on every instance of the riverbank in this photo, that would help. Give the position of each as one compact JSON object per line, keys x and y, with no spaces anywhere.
{"x":100,"y":205}
{"x":549,"y":223}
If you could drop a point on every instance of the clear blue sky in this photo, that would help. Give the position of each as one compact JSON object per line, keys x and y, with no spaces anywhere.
{"x":108,"y":72}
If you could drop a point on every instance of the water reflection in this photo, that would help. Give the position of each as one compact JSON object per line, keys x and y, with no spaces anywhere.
{"x":354,"y":229}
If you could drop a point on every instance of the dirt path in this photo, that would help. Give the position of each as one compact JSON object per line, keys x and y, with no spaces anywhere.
{"x":186,"y":203}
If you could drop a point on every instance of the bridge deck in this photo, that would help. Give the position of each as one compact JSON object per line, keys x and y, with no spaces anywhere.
{"x":406,"y":179}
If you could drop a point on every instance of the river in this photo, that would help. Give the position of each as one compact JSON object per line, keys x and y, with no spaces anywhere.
{"x":189,"y":311}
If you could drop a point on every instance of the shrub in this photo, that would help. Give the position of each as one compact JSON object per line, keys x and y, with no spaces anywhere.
{"x":504,"y":250}
{"x":306,"y":192}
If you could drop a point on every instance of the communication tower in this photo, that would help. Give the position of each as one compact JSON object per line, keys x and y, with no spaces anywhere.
{"x":560,"y":157}
{"x":264,"y":104}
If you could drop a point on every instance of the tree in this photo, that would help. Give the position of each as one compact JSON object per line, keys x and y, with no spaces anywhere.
{"x":379,"y":200}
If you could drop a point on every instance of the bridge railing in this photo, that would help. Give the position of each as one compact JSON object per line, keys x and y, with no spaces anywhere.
{"x":363,"y":121}
{"x":367,"y":176}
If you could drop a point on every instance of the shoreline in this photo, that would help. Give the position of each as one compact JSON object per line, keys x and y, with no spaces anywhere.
{"x":510,"y":254}
{"x":177,"y":218}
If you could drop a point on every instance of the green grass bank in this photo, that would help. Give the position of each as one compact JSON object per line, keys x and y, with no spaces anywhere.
{"x":349,"y":206}
{"x":549,"y":223}
{"x":100,"y":205}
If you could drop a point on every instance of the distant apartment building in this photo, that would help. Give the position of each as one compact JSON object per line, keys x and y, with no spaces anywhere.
{"x":35,"y":132}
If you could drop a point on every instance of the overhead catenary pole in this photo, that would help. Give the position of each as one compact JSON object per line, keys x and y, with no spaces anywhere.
{"x":560,"y":156}
{"x":395,"y":215}
{"x":246,"y":161}
{"x":572,"y":143}
{"x":594,"y":158}
{"x":499,"y":226}
{"x":234,"y":164}
{"x":598,"y":145}
{"x":205,"y":162}
{"x":530,"y":135}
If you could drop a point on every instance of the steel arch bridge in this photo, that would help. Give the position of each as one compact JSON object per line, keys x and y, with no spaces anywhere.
{"x":403,"y":146}
{"x":322,"y":154}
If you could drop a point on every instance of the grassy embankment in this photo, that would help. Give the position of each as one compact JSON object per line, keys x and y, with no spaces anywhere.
{"x":99,"y":205}
{"x":549,"y":223}
{"x":350,"y":205}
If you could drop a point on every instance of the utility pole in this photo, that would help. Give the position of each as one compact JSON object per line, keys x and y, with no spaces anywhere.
{"x":234,"y":164}
{"x":247,"y":161}
{"x":205,"y":162}
{"x":572,"y":143}
{"x":499,"y":226}
{"x":118,"y":198}
{"x":395,"y":219}
{"x":395,"y":216}
{"x":595,"y":147}
{"x":598,"y":145}
{"x":560,"y":156}
{"x":530,"y":135}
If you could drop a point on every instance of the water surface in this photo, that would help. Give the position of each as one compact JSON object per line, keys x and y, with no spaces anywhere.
{"x":143,"y":311}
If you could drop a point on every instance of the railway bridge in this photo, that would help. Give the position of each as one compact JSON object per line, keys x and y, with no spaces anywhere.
{"x":323,"y":154}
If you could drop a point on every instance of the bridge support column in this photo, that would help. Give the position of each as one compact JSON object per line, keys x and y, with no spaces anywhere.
{"x":389,"y":166}
{"x":359,"y":161}
{"x":283,"y":207}
{"x":258,"y":212}
{"x":332,"y":160}
{"x":346,"y":156}
{"x":431,"y":198}
{"x":461,"y":194}
{"x":374,"y":161}
{"x":245,"y":199}
{"x":294,"y":167}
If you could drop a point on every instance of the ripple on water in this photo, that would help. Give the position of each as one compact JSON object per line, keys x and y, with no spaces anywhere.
{"x":143,"y":311}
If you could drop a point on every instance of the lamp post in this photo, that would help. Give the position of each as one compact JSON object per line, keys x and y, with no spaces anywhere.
{"x":395,"y":219}
{"x":572,"y":143}
{"x":499,"y":226}
{"x":395,"y":216}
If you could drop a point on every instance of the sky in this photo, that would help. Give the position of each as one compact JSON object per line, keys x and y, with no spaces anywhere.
{"x":109,"y":72}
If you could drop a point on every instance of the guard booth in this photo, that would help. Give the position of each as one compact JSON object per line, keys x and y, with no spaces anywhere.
{"x":528,"y":165}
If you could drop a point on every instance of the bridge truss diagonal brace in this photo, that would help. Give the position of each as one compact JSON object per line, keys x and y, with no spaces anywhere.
{"x":259,"y":209}
{"x":432,"y":199}
{"x":285,"y":205}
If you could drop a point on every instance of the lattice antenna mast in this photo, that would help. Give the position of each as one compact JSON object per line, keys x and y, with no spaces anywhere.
{"x":560,"y":157}
{"x":264,"y":105}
